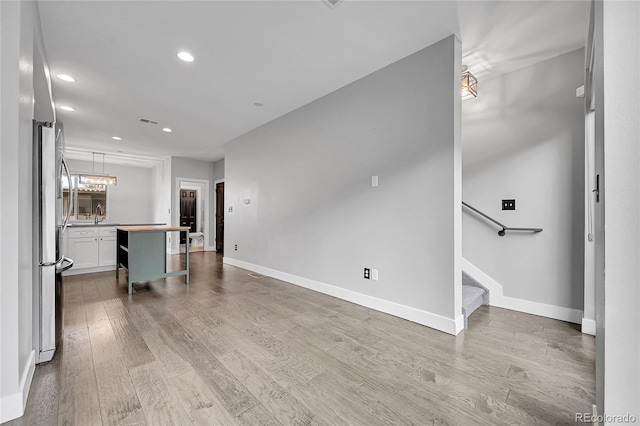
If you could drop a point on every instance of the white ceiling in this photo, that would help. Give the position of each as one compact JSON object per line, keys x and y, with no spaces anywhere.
{"x":284,"y":54}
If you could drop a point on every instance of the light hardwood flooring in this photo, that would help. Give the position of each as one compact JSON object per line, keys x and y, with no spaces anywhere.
{"x":234,"y":349}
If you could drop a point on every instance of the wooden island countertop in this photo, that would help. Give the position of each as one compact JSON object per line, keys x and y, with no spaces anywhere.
{"x":150,"y":228}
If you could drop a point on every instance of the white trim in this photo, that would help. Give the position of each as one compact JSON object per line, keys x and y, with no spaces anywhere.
{"x":215,"y":209}
{"x":12,"y":406}
{"x":84,"y":154}
{"x":589,"y":326}
{"x":80,"y":271}
{"x":497,"y":298}
{"x":429,"y":319}
{"x":205,"y":184}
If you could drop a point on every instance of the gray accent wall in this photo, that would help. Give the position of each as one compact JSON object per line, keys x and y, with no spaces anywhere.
{"x":523,"y":139}
{"x":132,"y":199}
{"x":301,"y":194}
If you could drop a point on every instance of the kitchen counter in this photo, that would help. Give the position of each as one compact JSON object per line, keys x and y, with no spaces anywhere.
{"x":151,"y":228}
{"x":89,"y":224}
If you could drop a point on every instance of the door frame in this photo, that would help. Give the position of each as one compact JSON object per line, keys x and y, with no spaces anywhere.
{"x":175,"y":218}
{"x":215,"y":208}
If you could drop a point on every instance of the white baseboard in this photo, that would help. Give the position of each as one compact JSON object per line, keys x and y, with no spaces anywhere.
{"x":429,"y":319}
{"x":589,"y":326}
{"x":12,"y":406}
{"x":74,"y":271}
{"x":497,"y":298}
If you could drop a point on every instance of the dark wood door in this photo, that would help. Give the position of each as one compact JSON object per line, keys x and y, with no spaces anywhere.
{"x":188,"y":204}
{"x":220,"y":217}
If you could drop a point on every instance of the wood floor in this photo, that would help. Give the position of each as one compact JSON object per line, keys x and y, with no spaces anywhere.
{"x":235,"y":349}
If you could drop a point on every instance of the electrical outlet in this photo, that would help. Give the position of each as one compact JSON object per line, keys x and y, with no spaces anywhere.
{"x":508,"y":204}
{"x":367,"y":273}
{"x":374,"y":274}
{"x":236,"y":247}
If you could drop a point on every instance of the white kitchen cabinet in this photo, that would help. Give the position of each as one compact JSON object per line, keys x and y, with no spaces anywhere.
{"x":83,"y":251}
{"x":107,"y":251}
{"x":93,"y":249}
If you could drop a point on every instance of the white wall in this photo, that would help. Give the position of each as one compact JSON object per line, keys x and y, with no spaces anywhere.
{"x":218,"y":170}
{"x":191,"y":169}
{"x":161,"y":192}
{"x":132,"y":199}
{"x":523,"y":138}
{"x":621,"y":301}
{"x":313,"y":214}
{"x":20,"y":47}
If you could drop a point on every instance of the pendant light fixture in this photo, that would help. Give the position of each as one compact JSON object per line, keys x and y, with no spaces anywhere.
{"x":469,"y":84}
{"x":97,"y":179}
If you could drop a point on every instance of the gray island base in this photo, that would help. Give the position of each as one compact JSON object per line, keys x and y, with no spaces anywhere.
{"x":142,"y":250}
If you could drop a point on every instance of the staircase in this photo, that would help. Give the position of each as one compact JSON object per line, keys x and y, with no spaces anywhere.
{"x":474,"y":295}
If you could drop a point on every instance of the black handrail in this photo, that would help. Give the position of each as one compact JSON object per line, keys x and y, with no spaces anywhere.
{"x":505,"y":228}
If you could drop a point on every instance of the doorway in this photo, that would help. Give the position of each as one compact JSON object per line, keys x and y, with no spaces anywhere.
{"x":191,"y":208}
{"x":220,"y":217}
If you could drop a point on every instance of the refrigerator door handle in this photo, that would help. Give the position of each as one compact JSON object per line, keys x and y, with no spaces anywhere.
{"x":65,"y":166}
{"x":64,"y":268}
{"x":56,"y":263}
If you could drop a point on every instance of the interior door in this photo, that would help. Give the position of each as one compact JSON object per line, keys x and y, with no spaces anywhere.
{"x":220,"y":217}
{"x":187,"y":211}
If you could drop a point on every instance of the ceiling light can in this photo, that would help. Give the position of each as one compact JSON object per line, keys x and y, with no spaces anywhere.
{"x":66,"y":77}
{"x":186,"y":56}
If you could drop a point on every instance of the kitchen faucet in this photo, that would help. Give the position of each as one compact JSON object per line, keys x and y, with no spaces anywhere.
{"x":99,"y":211}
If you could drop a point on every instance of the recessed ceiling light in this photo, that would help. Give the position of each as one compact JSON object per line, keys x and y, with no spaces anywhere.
{"x":186,"y":56}
{"x":167,"y":130}
{"x":258,"y":104}
{"x":116,"y":138}
{"x":65,"y":77}
{"x":67,"y":108}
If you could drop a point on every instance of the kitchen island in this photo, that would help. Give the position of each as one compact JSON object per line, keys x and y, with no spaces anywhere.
{"x":142,"y":250}
{"x":92,"y":246}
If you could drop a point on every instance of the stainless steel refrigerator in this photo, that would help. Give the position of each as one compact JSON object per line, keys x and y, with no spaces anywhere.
{"x":50,"y":169}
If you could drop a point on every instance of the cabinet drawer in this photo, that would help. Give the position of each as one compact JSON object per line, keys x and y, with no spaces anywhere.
{"x":82,"y":232}
{"x":107,"y":232}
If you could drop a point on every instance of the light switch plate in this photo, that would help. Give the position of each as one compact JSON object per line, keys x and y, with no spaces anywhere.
{"x":230,"y":209}
{"x":374,"y":181}
{"x":374,"y":274}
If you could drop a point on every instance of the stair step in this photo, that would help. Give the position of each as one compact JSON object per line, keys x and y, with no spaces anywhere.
{"x":472,"y":298}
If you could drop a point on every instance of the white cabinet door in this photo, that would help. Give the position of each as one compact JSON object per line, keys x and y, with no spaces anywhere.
{"x":107,"y":251}
{"x":83,"y":251}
